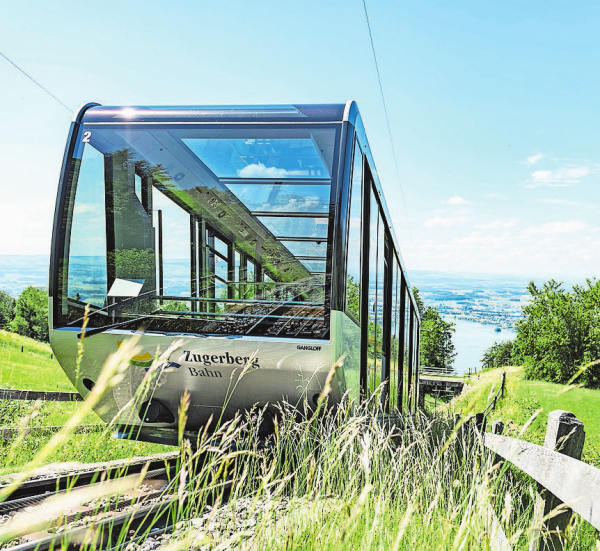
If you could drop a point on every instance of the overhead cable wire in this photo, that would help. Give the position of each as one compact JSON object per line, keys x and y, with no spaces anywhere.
{"x":36,"y":82}
{"x":388,"y":124}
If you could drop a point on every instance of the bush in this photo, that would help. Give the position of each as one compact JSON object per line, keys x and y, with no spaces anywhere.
{"x":498,"y":355}
{"x":7,"y":309}
{"x":560,"y":333}
{"x":436,"y":345}
{"x":31,"y":314}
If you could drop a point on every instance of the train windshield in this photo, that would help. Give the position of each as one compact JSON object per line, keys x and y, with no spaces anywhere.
{"x":220,"y":229}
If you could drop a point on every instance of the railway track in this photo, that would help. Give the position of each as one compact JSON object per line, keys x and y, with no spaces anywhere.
{"x":113,"y":507}
{"x":116,"y":531}
{"x":35,"y":490}
{"x":142,"y":507}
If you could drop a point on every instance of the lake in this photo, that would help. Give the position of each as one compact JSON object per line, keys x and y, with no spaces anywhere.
{"x":471,"y":339}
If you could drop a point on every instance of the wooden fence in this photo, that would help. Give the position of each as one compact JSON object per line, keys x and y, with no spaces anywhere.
{"x":445,"y":371}
{"x":499,"y":394}
{"x":565,"y":484}
{"x":10,"y":394}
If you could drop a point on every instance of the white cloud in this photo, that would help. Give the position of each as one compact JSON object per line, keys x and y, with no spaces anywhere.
{"x":561,"y":177}
{"x":458,"y":200}
{"x":549,"y":250}
{"x":556,"y":228}
{"x":534,"y":158}
{"x":497,"y":225}
{"x":258,"y":170}
{"x":445,"y":222}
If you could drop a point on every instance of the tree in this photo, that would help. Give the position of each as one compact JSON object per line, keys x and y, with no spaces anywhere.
{"x":560,"y":333}
{"x":31,"y":314}
{"x":353,"y":296}
{"x":7,"y":309}
{"x":437,"y":348}
{"x":498,"y":355}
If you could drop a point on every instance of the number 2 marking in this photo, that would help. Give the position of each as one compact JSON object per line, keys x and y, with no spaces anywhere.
{"x":86,"y":137}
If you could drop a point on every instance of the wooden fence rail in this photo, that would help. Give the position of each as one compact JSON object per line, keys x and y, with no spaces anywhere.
{"x":424,"y":370}
{"x":10,"y":394}
{"x":564,"y":481}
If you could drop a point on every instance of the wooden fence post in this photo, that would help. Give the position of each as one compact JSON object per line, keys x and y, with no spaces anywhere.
{"x":565,"y":435}
{"x":497,"y":428}
{"x":480,"y":422}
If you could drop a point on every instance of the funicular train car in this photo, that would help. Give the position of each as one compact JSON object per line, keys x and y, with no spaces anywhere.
{"x":255,"y":237}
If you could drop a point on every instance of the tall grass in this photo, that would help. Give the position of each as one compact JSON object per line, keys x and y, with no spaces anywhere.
{"x":344,"y":477}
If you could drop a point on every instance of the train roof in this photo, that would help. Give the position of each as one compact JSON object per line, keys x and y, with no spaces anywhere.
{"x":316,"y":113}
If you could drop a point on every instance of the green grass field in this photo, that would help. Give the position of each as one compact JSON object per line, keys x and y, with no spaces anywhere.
{"x":522,"y":399}
{"x":34,"y":369}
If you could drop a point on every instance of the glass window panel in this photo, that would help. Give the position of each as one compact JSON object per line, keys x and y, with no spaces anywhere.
{"x":150,"y":168}
{"x":138,"y":187}
{"x":314,"y":266}
{"x":394,"y":337}
{"x":279,"y":197}
{"x":221,"y":247}
{"x":221,"y":270}
{"x":306,"y":248}
{"x":175,"y":243}
{"x":354,"y":245}
{"x":373,"y":332}
{"x":411,"y":352}
{"x":248,"y":290}
{"x":379,"y":333}
{"x":267,"y":157}
{"x":296,"y":227}
{"x":406,"y":361}
{"x":87,"y":255}
{"x":415,"y":372}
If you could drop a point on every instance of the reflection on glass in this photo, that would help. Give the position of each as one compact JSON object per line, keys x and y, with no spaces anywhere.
{"x":296,"y":227}
{"x":354,"y":247}
{"x":314,"y":266}
{"x":221,"y":247}
{"x":407,"y":360}
{"x":374,"y":333}
{"x":279,"y":197}
{"x":394,"y":338}
{"x":87,"y":272}
{"x":269,"y":157}
{"x":306,"y":248}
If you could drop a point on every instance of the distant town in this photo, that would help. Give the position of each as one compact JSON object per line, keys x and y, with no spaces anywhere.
{"x":493,"y":300}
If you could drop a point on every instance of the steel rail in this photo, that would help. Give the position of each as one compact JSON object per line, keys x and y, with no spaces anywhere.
{"x":43,"y":487}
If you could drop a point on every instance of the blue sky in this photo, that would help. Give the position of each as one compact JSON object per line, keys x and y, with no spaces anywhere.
{"x":492,"y":105}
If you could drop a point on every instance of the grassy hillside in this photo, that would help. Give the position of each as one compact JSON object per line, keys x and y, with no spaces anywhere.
{"x":522,"y":399}
{"x":32,"y":369}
